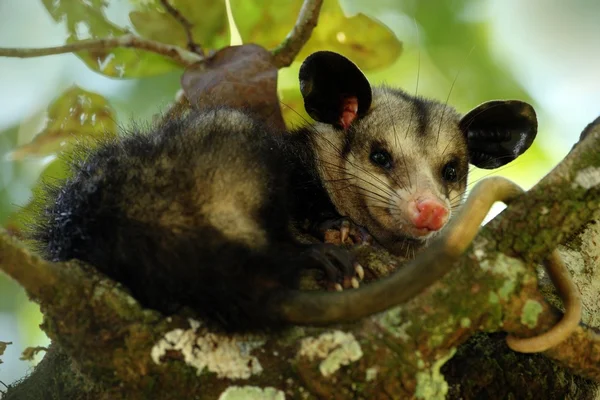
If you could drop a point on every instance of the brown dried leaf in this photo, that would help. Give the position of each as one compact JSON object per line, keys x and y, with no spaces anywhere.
{"x":239,"y":77}
{"x":30,"y":352}
{"x":3,"y":347}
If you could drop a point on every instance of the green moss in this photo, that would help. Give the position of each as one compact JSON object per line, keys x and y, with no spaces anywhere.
{"x":393,"y":321}
{"x":507,"y":289}
{"x":504,"y":265}
{"x":493,"y":298}
{"x":431,"y":384}
{"x":442,"y":329}
{"x":251,"y":393}
{"x":371,"y":374}
{"x":530,"y":313}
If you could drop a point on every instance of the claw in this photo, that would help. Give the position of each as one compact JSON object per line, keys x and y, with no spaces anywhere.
{"x":367,"y":238}
{"x":360,"y":271}
{"x":347,"y":229}
{"x":344,"y":230}
{"x":337,"y":264}
{"x":355,"y":283}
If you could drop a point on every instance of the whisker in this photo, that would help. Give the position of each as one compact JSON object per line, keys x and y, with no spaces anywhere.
{"x":449,"y":93}
{"x":388,"y":189}
{"x":396,"y":139}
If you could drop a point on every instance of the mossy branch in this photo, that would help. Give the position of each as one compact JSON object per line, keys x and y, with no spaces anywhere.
{"x":493,"y":288}
{"x":37,"y":276}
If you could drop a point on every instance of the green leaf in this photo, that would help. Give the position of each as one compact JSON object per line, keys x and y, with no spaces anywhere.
{"x":75,"y":115}
{"x":365,"y":41}
{"x":208,"y":21}
{"x":86,"y":20}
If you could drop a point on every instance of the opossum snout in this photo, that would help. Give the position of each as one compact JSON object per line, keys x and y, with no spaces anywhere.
{"x":428,"y":214}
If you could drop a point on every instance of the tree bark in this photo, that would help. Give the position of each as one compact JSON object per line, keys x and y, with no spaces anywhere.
{"x":106,"y":346}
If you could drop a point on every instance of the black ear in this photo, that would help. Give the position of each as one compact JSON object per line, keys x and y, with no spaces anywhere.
{"x":497,"y":132}
{"x":335,"y":90}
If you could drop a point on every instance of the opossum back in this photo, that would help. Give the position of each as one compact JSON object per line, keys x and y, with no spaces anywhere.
{"x":192,"y":200}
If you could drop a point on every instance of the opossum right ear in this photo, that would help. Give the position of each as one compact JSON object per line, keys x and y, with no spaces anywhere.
{"x":498,"y":132}
{"x":335,"y":90}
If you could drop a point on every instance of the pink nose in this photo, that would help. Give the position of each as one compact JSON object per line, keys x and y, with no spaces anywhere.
{"x":431,"y":215}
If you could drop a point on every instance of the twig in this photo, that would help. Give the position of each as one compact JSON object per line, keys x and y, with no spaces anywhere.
{"x":187,"y":26}
{"x":286,"y":52}
{"x":37,"y":276}
{"x":176,"y":53}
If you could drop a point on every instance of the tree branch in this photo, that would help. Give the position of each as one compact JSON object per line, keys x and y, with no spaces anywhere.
{"x":37,"y":276}
{"x":562,"y":202}
{"x":492,"y":288}
{"x":187,"y":26}
{"x":177,"y":54}
{"x":286,"y":52}
{"x":283,"y":55}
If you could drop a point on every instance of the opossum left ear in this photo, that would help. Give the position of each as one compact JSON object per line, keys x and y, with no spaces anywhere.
{"x":335,"y":90}
{"x":497,"y":132}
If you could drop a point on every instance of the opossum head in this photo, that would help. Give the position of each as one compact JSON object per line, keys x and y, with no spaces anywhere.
{"x":398,"y":164}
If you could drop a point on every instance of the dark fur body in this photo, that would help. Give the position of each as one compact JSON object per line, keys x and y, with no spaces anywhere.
{"x":195,"y":213}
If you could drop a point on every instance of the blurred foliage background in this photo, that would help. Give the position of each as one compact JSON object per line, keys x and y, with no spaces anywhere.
{"x":466,"y":51}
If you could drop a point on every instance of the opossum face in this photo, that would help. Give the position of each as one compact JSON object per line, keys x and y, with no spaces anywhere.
{"x":398,"y":164}
{"x":407,"y":160}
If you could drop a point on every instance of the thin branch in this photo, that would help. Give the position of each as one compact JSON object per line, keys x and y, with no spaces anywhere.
{"x":286,"y":52}
{"x":34,"y":274}
{"x":175,"y":53}
{"x":187,"y":26}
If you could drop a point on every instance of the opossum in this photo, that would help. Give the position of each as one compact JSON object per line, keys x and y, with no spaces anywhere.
{"x":397,"y":164}
{"x":196,"y":211}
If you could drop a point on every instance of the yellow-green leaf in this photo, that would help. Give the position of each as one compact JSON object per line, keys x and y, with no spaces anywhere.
{"x":75,"y":115}
{"x":365,"y":41}
{"x":208,"y":21}
{"x":86,"y":20}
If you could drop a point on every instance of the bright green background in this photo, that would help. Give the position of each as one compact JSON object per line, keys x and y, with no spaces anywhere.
{"x":543,"y":51}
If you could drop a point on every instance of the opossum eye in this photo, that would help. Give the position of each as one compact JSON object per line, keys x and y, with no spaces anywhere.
{"x":449,"y":172}
{"x":381,"y":158}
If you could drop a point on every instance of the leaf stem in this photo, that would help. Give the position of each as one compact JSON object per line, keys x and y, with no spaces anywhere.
{"x":177,"y":54}
{"x":187,"y":26}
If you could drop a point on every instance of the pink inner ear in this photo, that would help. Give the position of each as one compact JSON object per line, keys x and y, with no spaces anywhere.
{"x":349,"y":111}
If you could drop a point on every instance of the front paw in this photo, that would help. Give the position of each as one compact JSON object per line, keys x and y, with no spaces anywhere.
{"x":338,"y":265}
{"x":344,"y":231}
